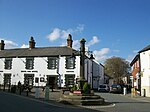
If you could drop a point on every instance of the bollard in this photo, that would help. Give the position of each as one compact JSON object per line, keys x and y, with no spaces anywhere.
{"x":124,"y":90}
{"x":133,"y":92}
{"x":144,"y":92}
{"x":37,"y":93}
{"x":47,"y":93}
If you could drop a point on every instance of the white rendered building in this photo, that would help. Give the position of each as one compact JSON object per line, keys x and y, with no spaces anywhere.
{"x":141,"y":72}
{"x":38,"y":66}
{"x":145,"y":70}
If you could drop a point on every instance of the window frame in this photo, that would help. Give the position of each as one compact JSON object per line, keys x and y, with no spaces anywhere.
{"x":70,"y":62}
{"x":52,"y":62}
{"x":29,"y":63}
{"x":8,"y":63}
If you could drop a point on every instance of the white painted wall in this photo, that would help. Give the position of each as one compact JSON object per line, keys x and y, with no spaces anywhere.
{"x":93,"y":68}
{"x":40,"y":70}
{"x":145,"y":69}
{"x":62,"y":70}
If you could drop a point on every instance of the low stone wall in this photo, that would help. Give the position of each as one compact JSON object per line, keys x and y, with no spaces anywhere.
{"x":75,"y":99}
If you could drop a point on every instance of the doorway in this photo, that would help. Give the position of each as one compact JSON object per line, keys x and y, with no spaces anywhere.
{"x":7,"y":81}
{"x":52,"y":81}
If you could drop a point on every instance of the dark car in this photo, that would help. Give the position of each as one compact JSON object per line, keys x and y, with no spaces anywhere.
{"x":116,"y":88}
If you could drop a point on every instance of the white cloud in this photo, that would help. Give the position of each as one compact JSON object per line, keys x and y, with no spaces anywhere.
{"x":54,"y":35}
{"x":58,"y":33}
{"x":101,"y":55}
{"x":130,"y":58}
{"x":79,"y":28}
{"x":9,"y":44}
{"x":93,"y":41}
{"x":76,"y":44}
{"x":25,"y":46}
{"x":135,"y":51}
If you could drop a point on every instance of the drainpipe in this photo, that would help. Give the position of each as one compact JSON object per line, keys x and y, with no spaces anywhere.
{"x":140,"y":73}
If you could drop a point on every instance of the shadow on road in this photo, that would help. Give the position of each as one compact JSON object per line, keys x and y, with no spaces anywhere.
{"x":132,"y":102}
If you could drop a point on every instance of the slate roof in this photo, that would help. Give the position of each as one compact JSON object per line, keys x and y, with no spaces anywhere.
{"x":37,"y":52}
{"x":135,"y":59}
{"x":145,"y":49}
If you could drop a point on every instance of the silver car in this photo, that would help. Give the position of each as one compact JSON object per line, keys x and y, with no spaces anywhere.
{"x":103,"y":88}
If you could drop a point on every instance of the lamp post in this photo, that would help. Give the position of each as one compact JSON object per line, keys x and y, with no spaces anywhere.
{"x":91,"y":58}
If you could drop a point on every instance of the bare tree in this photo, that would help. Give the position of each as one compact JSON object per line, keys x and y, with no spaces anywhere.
{"x":116,"y":67}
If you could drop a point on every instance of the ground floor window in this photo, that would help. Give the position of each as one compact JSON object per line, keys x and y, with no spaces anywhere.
{"x":69,"y":80}
{"x":29,"y":79}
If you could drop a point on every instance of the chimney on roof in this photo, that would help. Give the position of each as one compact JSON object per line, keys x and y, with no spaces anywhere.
{"x":2,"y":45}
{"x":69,"y":41}
{"x":31,"y":43}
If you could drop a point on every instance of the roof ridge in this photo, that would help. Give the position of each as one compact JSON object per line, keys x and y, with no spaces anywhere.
{"x":145,"y":48}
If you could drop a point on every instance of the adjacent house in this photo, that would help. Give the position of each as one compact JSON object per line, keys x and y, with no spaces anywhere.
{"x":94,"y":72}
{"x":136,"y":79}
{"x":38,"y":66}
{"x":141,"y":71}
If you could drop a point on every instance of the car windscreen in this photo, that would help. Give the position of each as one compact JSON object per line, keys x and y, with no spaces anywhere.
{"x":102,"y":86}
{"x":115,"y":86}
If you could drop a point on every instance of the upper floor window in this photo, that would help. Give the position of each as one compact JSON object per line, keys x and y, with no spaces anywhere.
{"x":8,"y":63}
{"x":30,"y":63}
{"x":52,"y":63}
{"x":70,"y":62}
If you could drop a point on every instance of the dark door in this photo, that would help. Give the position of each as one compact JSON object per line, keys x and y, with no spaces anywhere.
{"x":51,"y":81}
{"x":7,"y":81}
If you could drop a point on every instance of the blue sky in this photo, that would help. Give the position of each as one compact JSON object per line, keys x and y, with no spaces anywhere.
{"x":110,"y":27}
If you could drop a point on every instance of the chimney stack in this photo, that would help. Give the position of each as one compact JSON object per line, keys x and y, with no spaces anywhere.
{"x":31,"y":43}
{"x":2,"y":45}
{"x":69,"y":41}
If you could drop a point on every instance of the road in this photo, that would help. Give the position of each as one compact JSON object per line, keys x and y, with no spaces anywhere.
{"x":14,"y":103}
{"x":124,"y":104}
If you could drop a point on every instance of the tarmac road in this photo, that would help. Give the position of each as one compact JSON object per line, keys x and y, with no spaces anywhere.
{"x":14,"y":103}
{"x":125,"y":103}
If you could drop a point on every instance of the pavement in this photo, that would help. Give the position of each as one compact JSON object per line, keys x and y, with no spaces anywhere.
{"x":137,"y":97}
{"x":55,"y":95}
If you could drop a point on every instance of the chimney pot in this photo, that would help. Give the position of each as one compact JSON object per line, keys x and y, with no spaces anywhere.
{"x":2,"y":45}
{"x":69,"y":41}
{"x":31,"y":43}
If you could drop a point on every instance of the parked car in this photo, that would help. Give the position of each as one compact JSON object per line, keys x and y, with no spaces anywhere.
{"x":116,"y":88}
{"x":103,"y":88}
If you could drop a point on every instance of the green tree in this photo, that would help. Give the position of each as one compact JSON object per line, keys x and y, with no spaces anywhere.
{"x":116,"y":67}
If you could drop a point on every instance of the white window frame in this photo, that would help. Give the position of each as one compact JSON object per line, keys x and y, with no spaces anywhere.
{"x":30,"y":63}
{"x":52,"y":63}
{"x":8,"y":63}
